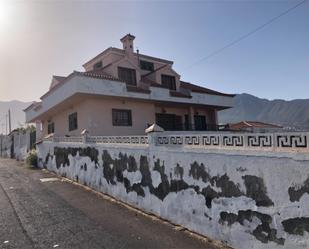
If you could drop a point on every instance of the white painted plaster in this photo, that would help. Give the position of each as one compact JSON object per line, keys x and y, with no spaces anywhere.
{"x":188,"y":208}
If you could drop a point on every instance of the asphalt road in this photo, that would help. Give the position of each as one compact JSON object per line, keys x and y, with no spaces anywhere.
{"x":59,"y":214}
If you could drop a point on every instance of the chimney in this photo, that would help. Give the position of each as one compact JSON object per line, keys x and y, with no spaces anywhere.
{"x":127,"y":42}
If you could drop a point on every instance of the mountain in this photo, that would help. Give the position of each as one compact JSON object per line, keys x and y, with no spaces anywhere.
{"x":293,"y":114}
{"x":17,"y":114}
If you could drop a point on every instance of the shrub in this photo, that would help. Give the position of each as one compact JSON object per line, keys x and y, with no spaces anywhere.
{"x":32,"y":159}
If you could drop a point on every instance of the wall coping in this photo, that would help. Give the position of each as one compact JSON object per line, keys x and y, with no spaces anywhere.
{"x":219,"y":141}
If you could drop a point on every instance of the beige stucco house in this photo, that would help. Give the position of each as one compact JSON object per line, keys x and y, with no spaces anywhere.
{"x":122,"y":92}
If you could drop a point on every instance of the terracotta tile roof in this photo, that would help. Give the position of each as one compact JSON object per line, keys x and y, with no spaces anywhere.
{"x":100,"y":74}
{"x":252,"y":124}
{"x":199,"y":89}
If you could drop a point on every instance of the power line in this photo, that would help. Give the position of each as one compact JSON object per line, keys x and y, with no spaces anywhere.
{"x":216,"y":52}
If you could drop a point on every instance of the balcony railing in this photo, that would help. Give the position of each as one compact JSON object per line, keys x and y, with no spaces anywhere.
{"x":194,"y":127}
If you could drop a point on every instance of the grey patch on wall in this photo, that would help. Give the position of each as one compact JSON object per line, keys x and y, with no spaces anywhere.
{"x":296,"y":193}
{"x":163,"y":188}
{"x":263,"y":232}
{"x":241,"y":169}
{"x":128,"y":163}
{"x":178,"y":171}
{"x":296,"y":226}
{"x":256,"y":190}
{"x":47,"y":158}
{"x":255,"y":187}
{"x":62,"y":155}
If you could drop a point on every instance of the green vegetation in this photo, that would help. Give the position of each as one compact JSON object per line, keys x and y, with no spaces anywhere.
{"x":32,"y":159}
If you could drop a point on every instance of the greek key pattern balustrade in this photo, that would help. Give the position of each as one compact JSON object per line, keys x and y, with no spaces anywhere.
{"x":247,"y":141}
{"x":261,"y":141}
{"x":143,"y":140}
{"x":118,"y":139}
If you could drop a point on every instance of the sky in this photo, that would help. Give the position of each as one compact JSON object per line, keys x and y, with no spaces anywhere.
{"x":39,"y":39}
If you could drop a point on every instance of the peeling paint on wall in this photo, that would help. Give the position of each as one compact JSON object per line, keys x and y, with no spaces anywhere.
{"x":248,"y":201}
{"x":263,"y":232}
{"x":296,"y":192}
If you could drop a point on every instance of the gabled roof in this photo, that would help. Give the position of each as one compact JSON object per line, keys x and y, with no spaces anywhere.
{"x":59,"y":78}
{"x":34,"y":103}
{"x":121,"y":51}
{"x":99,"y":74}
{"x":56,"y":80}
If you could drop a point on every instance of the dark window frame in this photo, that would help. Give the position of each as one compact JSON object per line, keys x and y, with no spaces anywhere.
{"x":119,"y":119}
{"x":73,"y":121}
{"x":168,"y":81}
{"x":146,"y":65}
{"x":50,"y":127}
{"x":128,"y":75}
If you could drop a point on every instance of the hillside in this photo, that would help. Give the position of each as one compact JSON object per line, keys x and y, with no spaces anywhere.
{"x":294,"y":113}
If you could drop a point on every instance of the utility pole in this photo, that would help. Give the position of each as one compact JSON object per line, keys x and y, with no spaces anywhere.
{"x":1,"y":137}
{"x":6,"y":124}
{"x":10,"y":127}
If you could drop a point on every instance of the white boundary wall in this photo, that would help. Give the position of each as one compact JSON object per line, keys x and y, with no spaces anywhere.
{"x":248,"y":194}
{"x":20,"y":142}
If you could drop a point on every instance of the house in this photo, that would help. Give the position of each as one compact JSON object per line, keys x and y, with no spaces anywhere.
{"x":254,"y":126}
{"x":122,"y":92}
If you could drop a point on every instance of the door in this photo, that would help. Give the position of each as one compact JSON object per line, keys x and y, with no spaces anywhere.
{"x":169,"y":122}
{"x":200,"y":123}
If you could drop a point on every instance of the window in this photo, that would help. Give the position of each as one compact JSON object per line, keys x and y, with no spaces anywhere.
{"x":98,"y":65}
{"x":168,"y":81}
{"x":127,"y":75}
{"x":50,"y":127}
{"x":73,"y":121}
{"x":122,"y":117}
{"x":146,"y":65}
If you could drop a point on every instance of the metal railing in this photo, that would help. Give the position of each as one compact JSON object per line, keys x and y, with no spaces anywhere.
{"x":193,"y":127}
